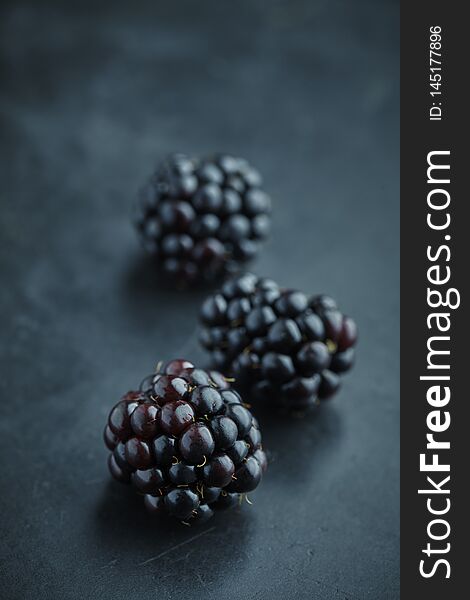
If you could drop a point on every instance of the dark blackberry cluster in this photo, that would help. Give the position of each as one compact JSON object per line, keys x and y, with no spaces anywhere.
{"x":200,"y":218}
{"x":186,"y":442}
{"x":278,"y":344}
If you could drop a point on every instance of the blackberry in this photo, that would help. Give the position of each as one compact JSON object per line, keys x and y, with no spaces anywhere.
{"x":186,"y":442}
{"x":200,"y":218}
{"x":278,"y":344}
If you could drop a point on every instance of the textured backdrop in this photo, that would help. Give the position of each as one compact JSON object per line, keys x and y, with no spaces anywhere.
{"x":90,"y":97}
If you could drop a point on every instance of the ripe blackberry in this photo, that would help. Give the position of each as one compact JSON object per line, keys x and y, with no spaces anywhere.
{"x":277,"y":343}
{"x":186,"y":442}
{"x":201,"y":217}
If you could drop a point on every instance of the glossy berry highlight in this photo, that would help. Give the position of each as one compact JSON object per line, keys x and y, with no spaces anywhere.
{"x":278,"y":344}
{"x":186,"y":442}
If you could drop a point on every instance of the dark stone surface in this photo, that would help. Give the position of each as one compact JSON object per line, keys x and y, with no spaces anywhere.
{"x":90,"y":98}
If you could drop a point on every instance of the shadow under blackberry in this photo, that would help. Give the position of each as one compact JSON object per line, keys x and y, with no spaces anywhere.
{"x":168,"y":551}
{"x":297,"y":444}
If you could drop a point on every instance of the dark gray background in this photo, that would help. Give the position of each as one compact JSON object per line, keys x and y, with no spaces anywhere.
{"x":91,"y":97}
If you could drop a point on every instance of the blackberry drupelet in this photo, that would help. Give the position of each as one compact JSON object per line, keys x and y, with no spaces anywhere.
{"x":186,"y":442}
{"x":278,"y":344}
{"x":200,"y":218}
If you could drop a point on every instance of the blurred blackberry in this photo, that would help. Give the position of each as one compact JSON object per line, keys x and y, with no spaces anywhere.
{"x":186,"y":442}
{"x":200,"y":218}
{"x":278,"y":344}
